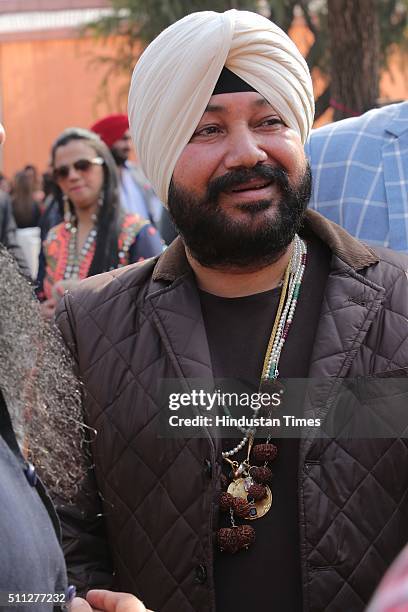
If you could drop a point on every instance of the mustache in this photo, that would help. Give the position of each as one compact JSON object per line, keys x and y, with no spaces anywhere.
{"x":235,"y":178}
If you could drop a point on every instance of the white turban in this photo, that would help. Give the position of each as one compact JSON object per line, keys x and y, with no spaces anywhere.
{"x":174,"y":79}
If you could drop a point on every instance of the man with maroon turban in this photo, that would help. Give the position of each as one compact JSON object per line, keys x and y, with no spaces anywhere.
{"x":136,"y":193}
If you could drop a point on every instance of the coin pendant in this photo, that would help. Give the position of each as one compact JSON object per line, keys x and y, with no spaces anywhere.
{"x":238,"y":488}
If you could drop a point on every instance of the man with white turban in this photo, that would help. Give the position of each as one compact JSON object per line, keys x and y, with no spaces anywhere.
{"x":255,"y":289}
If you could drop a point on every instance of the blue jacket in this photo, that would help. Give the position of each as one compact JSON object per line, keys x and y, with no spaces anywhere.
{"x":360,"y":175}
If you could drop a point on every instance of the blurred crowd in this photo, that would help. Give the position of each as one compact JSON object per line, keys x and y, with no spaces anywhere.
{"x":90,"y":211}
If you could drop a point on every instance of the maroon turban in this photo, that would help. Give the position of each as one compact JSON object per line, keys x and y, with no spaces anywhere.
{"x":111,"y":128}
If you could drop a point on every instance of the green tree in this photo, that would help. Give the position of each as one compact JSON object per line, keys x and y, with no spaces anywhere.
{"x":134,"y":23}
{"x":351,"y":37}
{"x":352,"y":40}
{"x":145,"y":19}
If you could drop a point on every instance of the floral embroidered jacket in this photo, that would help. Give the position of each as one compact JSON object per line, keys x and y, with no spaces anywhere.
{"x":138,"y":240}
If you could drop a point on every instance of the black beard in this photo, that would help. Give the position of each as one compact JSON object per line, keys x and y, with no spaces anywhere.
{"x":216,"y":240}
{"x":119,"y":158}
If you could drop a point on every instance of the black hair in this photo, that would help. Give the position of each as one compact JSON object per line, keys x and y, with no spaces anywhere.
{"x":229,"y":82}
{"x":110,"y":216}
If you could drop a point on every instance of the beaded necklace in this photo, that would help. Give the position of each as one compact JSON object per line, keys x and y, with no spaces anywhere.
{"x":249,"y":496}
{"x":74,"y":258}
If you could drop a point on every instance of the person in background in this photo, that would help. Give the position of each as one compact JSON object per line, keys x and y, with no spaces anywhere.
{"x":53,"y":207}
{"x":7,"y":222}
{"x":96,"y":235}
{"x":360,"y":175}
{"x":8,"y":233}
{"x":52,"y":215}
{"x":39,"y":405}
{"x":136,"y":193}
{"x":48,"y":184}
{"x":31,"y":173}
{"x":26,"y":209}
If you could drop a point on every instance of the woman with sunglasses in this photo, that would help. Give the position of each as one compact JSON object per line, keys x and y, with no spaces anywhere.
{"x":96,"y":234}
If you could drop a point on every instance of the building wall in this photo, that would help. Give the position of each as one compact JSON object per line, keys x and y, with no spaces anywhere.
{"x":46,"y":86}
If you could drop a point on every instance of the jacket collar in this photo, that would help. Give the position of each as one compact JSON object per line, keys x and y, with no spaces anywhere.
{"x":398,"y":124}
{"x":173,"y":263}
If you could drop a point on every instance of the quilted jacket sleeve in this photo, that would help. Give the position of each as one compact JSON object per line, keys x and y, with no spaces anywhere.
{"x":83,"y":527}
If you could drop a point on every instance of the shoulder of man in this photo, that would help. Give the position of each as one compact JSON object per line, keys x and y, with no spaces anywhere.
{"x":102,"y":299}
{"x":391,"y":273}
{"x":138,"y":176}
{"x":360,"y":130}
{"x":362,"y":257}
{"x":391,"y":260}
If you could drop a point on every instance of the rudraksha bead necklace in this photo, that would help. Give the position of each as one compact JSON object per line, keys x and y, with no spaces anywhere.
{"x":248,"y":496}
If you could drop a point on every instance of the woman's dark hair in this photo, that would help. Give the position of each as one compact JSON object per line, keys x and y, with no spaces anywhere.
{"x":25,"y":210}
{"x":110,"y":215}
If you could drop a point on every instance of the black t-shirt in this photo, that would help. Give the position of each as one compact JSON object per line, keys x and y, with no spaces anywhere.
{"x":238,"y":330}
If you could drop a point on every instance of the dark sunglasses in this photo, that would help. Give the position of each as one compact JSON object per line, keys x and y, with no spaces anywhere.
{"x":81,"y":165}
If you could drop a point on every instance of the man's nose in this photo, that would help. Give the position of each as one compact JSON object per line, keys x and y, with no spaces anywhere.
{"x":244,"y":150}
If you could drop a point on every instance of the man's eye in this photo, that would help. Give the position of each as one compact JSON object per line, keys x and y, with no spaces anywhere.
{"x":209,"y":130}
{"x":272,"y":121}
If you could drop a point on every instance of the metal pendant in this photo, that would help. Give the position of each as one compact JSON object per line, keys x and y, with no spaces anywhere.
{"x":239,"y":488}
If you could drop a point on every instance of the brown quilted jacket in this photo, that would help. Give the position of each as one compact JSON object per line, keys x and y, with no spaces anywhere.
{"x":147,"y":525}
